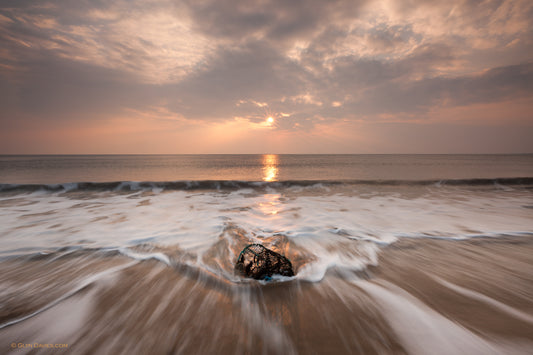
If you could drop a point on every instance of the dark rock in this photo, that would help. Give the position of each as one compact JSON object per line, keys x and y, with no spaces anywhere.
{"x":256,"y":261}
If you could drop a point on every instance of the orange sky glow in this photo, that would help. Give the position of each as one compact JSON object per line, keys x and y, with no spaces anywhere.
{"x":372,"y":76}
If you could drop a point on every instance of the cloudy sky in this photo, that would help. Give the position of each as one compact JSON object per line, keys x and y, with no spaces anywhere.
{"x":205,"y":76}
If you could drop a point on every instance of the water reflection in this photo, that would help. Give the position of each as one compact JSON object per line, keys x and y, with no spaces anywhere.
{"x":271,"y":205}
{"x":270,"y":167}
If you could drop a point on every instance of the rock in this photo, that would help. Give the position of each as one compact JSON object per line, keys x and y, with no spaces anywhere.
{"x":256,"y":261}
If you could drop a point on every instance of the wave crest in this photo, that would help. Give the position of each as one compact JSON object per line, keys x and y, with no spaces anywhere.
{"x":237,"y":184}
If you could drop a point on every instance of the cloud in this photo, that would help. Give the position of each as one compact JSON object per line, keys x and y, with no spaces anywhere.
{"x":273,"y":20}
{"x":419,"y":96}
{"x":250,"y":72}
{"x":308,"y":63}
{"x":145,"y":39}
{"x":61,"y":90}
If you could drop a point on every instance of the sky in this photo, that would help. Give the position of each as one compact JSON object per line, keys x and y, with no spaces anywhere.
{"x":266,"y":76}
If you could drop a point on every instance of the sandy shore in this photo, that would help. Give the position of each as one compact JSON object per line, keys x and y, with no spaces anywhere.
{"x":424,"y":296}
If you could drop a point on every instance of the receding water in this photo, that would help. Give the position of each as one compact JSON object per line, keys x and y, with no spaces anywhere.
{"x":392,"y":254}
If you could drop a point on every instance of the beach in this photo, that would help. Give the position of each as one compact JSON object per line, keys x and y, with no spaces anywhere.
{"x":266,"y":177}
{"x":422,"y":295}
{"x":382,"y":266}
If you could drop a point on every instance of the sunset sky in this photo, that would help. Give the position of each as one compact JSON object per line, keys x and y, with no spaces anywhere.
{"x":266,"y":76}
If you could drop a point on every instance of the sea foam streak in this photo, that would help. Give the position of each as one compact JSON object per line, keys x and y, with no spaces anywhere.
{"x":153,"y":262}
{"x":240,"y":184}
{"x":338,"y":225}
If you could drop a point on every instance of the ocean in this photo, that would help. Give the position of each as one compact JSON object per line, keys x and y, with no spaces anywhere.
{"x":393,"y":254}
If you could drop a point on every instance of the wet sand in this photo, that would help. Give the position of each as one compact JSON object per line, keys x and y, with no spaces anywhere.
{"x":424,"y":296}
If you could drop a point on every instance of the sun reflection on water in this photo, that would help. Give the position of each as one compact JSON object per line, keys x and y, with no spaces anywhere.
{"x":270,"y":167}
{"x":271,"y":205}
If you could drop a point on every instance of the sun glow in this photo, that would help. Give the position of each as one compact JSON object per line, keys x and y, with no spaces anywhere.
{"x":270,"y":120}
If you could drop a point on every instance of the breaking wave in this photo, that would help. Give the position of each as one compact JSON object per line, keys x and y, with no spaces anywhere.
{"x":237,"y":184}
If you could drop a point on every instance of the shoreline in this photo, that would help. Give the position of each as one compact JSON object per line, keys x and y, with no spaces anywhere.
{"x":476,"y":292}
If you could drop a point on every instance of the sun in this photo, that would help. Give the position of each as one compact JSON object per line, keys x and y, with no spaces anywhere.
{"x":270,"y":120}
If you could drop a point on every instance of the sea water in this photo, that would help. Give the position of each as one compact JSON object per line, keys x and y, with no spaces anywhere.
{"x":53,"y":169}
{"x":387,"y":250}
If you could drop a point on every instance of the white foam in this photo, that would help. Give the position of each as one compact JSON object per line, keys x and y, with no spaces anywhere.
{"x":131,"y":185}
{"x":346,"y":263}
{"x":69,"y":186}
{"x":80,"y":286}
{"x":513,"y":312}
{"x":145,"y":256}
{"x":318,"y":222}
{"x":422,"y":330}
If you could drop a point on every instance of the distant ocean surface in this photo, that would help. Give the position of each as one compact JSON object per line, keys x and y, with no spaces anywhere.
{"x":393,"y":254}
{"x":53,"y":169}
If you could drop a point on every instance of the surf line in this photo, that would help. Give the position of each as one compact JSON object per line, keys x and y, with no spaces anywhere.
{"x":81,"y":285}
{"x":513,"y":312}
